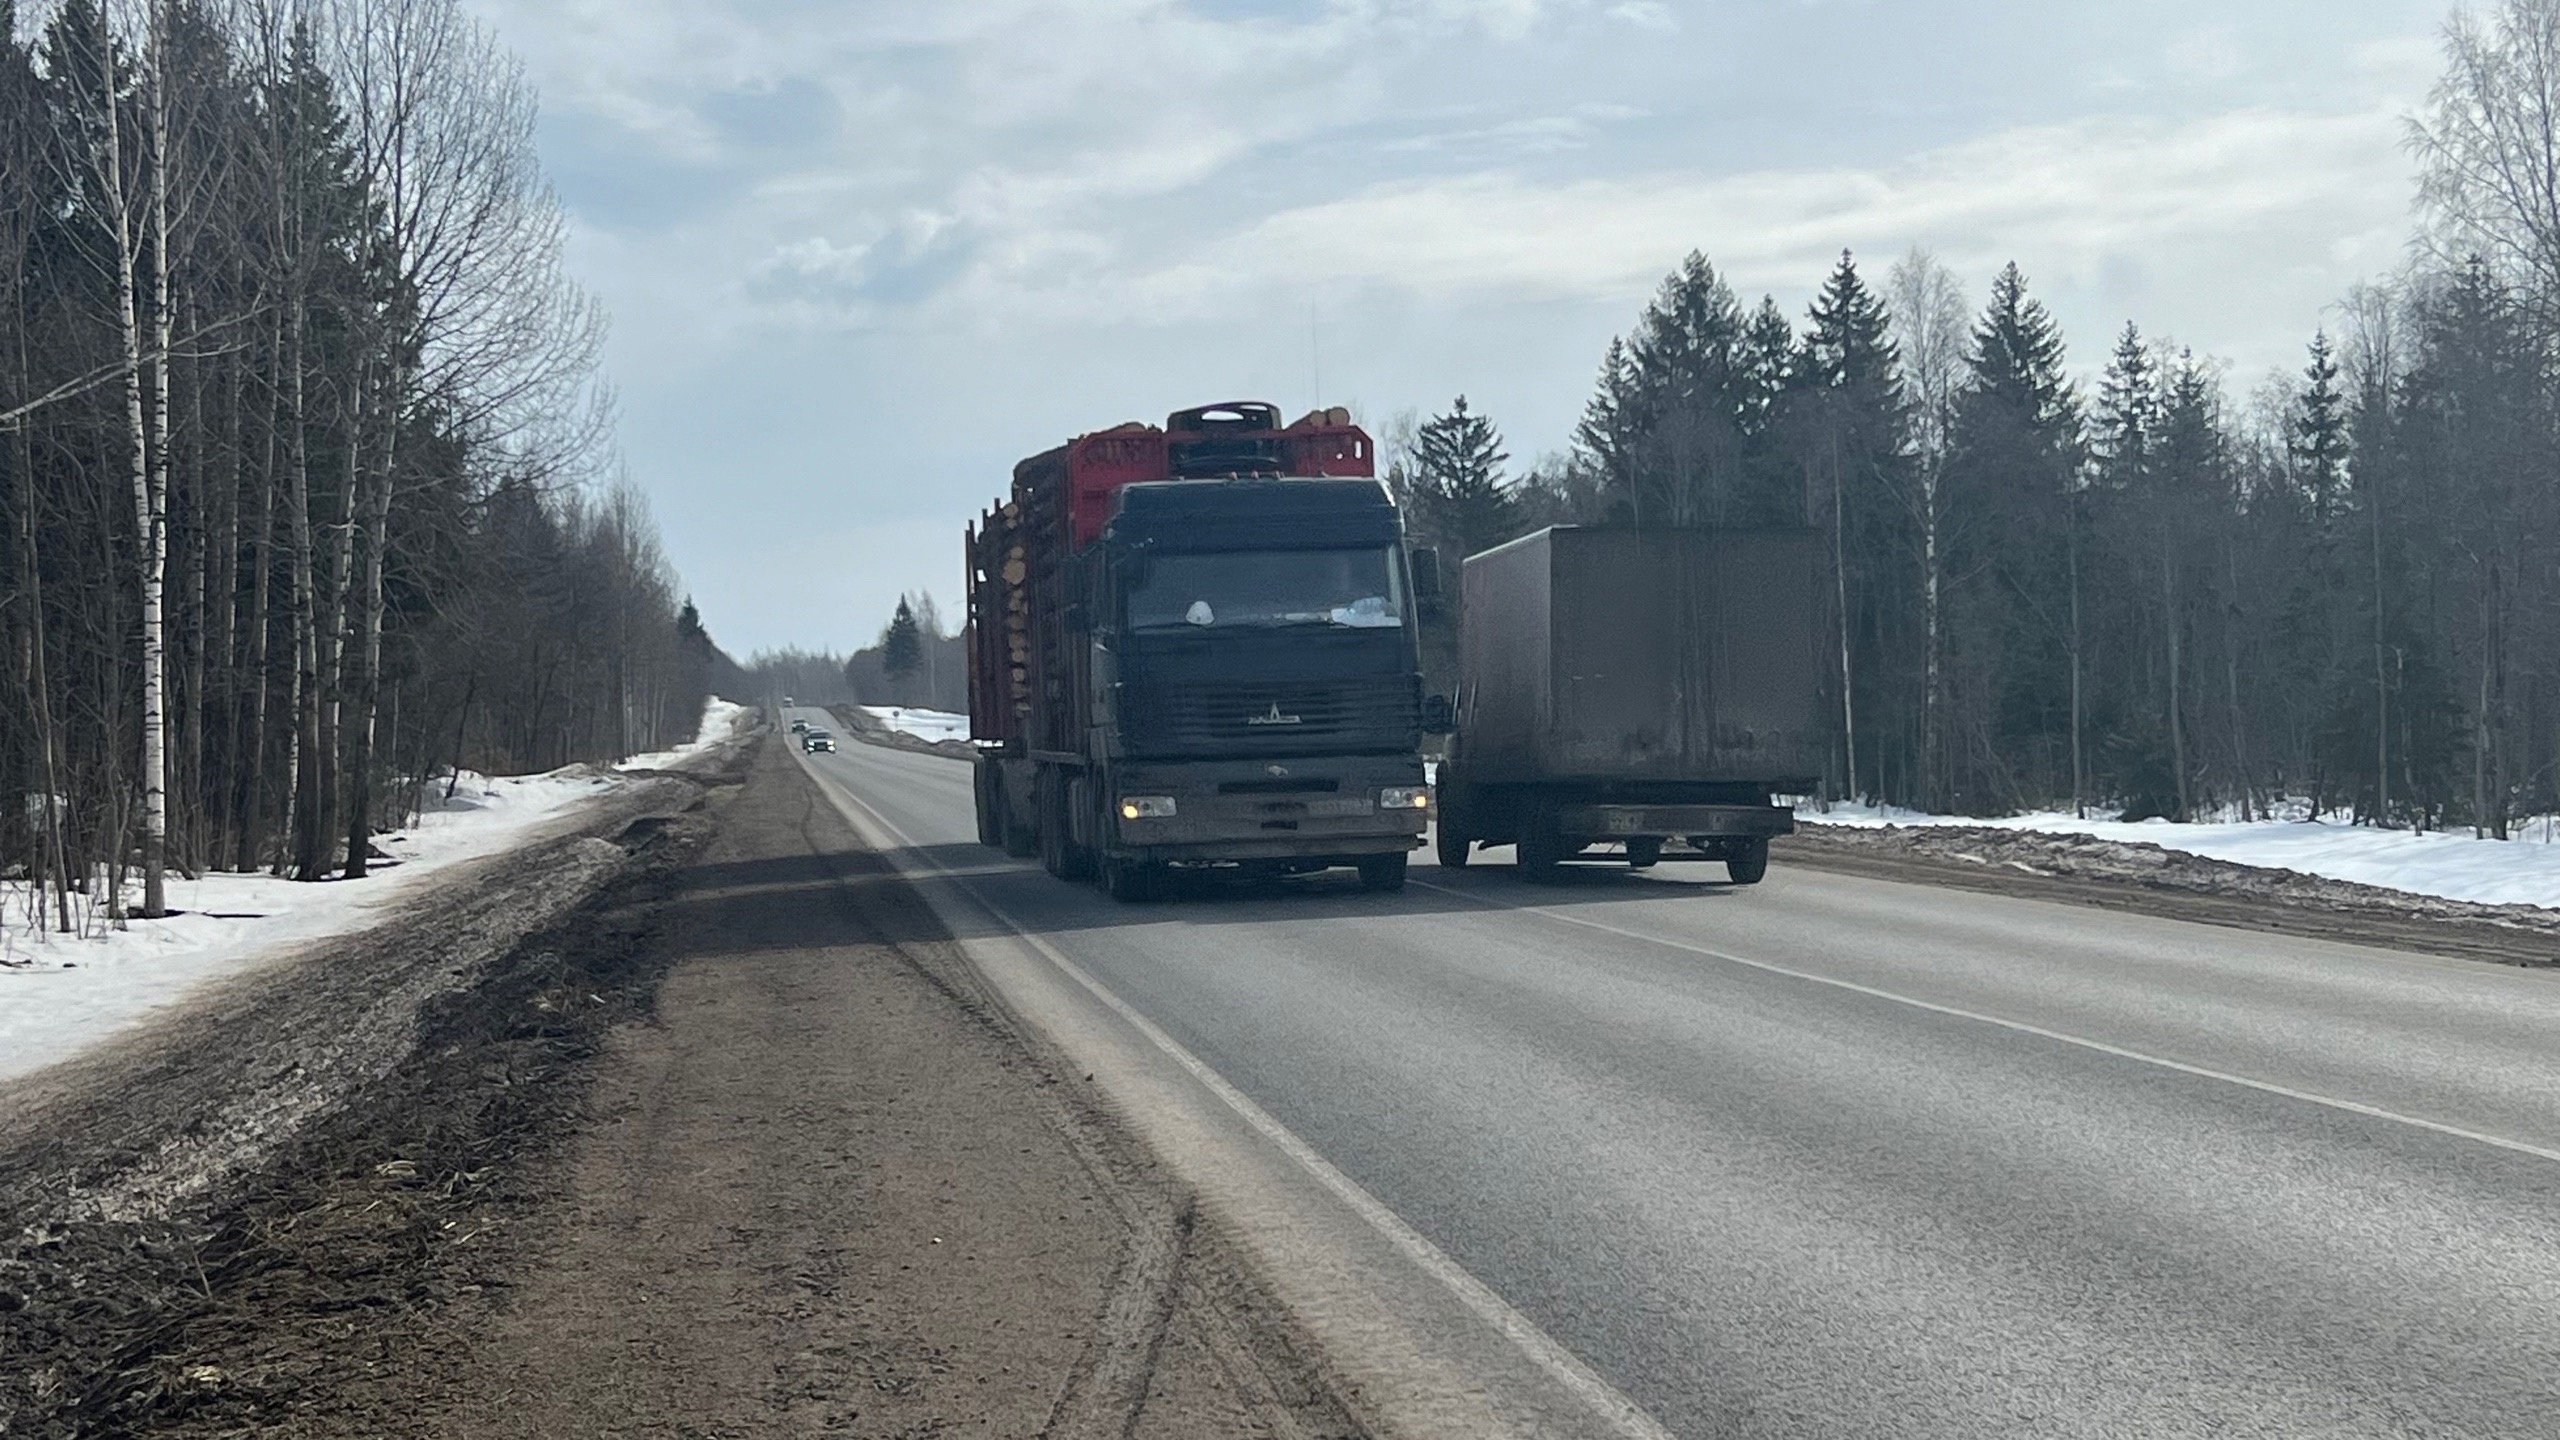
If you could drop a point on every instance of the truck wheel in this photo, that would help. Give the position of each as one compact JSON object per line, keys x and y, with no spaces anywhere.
{"x":1132,"y":882}
{"x":1020,"y":840}
{"x":1747,"y":862}
{"x":1382,"y":874}
{"x":1060,"y":855}
{"x":982,"y":786}
{"x":1540,"y":852}
{"x":1644,"y":852}
{"x":1453,"y":845}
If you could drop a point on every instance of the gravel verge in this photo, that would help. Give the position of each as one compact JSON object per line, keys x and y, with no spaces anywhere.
{"x":180,"y":1184}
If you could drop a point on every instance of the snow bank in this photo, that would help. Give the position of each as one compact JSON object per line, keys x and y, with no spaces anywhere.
{"x":2524,"y":871}
{"x":60,"y":994}
{"x":721,"y":719}
{"x":922,"y":724}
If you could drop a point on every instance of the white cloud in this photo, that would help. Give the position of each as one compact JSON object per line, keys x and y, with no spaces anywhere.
{"x":2278,"y":187}
{"x":1104,"y":205}
{"x":2212,"y":53}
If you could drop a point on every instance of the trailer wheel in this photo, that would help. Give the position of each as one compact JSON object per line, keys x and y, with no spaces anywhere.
{"x":1540,"y":852}
{"x":1382,"y":874}
{"x":1453,"y":845}
{"x":1747,"y":861}
{"x":1644,"y":852}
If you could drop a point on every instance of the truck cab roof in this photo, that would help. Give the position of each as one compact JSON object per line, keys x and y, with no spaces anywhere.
{"x":1263,"y":513}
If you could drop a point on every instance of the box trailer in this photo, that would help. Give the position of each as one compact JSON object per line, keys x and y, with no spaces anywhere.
{"x":1657,"y":693}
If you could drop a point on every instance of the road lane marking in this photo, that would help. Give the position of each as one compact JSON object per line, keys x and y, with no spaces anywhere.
{"x":2351,"y":1107}
{"x":1542,"y":1349}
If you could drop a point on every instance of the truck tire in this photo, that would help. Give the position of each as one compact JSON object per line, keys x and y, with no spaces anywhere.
{"x":1540,"y":852}
{"x":1020,"y":840}
{"x":1060,"y":855}
{"x":982,"y":788}
{"x":1747,"y":861}
{"x":1382,"y":874}
{"x":1644,"y":852}
{"x":1453,"y":845}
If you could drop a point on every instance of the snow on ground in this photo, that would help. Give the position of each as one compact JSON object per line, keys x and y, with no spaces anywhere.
{"x":720,"y":720}
{"x":922,"y":724}
{"x":60,"y":994}
{"x":2456,"y":866}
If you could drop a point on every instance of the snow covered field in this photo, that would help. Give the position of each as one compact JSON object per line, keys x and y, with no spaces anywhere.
{"x":60,"y":994}
{"x":922,"y":724}
{"x":2455,"y":866}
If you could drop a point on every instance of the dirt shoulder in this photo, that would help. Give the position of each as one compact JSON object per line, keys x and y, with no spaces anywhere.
{"x":735,"y":1150}
{"x":2152,"y":880}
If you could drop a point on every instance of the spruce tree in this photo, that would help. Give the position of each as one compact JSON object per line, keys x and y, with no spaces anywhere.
{"x":1606,"y":438}
{"x":2316,"y":433}
{"x":2015,"y":467}
{"x":901,"y":645}
{"x":1845,"y":431}
{"x":1458,"y":478}
{"x":2128,"y":413}
{"x":1688,"y":447}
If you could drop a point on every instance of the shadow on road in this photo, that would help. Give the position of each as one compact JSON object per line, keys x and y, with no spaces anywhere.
{"x":809,"y":898}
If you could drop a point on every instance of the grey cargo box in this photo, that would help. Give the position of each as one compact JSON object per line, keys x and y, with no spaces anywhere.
{"x":1606,"y":654}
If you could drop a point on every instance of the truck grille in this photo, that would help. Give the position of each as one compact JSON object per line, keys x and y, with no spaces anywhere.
{"x":1274,"y":719}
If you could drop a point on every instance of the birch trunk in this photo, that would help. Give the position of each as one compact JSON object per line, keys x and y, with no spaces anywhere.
{"x":262,"y":561}
{"x":305,"y":745}
{"x":222,"y":642}
{"x":377,"y":533}
{"x":333,"y":634}
{"x":155,"y":791}
{"x":2177,"y":661}
{"x":150,"y":496}
{"x":1933,"y":794}
{"x":2079,"y":769}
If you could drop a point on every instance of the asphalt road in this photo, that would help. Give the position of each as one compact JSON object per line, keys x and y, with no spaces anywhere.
{"x":1837,"y":1157}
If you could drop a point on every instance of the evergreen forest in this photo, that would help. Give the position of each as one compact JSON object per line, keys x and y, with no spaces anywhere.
{"x":2135,"y":585}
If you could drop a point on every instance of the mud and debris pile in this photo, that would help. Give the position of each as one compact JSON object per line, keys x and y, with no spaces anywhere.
{"x":2084,"y":867}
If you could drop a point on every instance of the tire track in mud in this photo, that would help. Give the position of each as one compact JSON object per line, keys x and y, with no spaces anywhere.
{"x":1105,"y":1396}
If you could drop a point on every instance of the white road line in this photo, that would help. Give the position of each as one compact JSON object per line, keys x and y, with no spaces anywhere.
{"x":1560,"y":1364}
{"x":2351,"y":1107}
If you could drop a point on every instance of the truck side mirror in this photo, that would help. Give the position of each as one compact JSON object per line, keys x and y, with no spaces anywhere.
{"x":1426,"y":573}
{"x":1437,"y":716}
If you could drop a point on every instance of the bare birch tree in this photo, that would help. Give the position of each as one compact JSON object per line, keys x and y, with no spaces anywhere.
{"x":1930,"y":324}
{"x":2488,"y":147}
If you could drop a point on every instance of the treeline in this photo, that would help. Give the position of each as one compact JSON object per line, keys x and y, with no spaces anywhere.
{"x":302,"y":442}
{"x":2342,"y":588}
{"x":913,"y":662}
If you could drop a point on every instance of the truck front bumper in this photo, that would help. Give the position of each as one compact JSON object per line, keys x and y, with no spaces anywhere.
{"x":1269,"y":810}
{"x":1708,"y":822}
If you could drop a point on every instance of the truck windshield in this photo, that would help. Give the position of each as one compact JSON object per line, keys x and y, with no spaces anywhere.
{"x":1346,"y":588}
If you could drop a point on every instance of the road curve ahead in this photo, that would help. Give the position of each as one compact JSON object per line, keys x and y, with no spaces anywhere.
{"x":1836,"y":1157}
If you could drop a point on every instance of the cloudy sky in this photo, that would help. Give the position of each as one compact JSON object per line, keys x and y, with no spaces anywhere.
{"x":863,"y":254}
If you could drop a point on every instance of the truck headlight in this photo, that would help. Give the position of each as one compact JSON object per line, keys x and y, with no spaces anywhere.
{"x":1146,"y":807}
{"x":1405,"y":797}
{"x":1790,"y":802}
